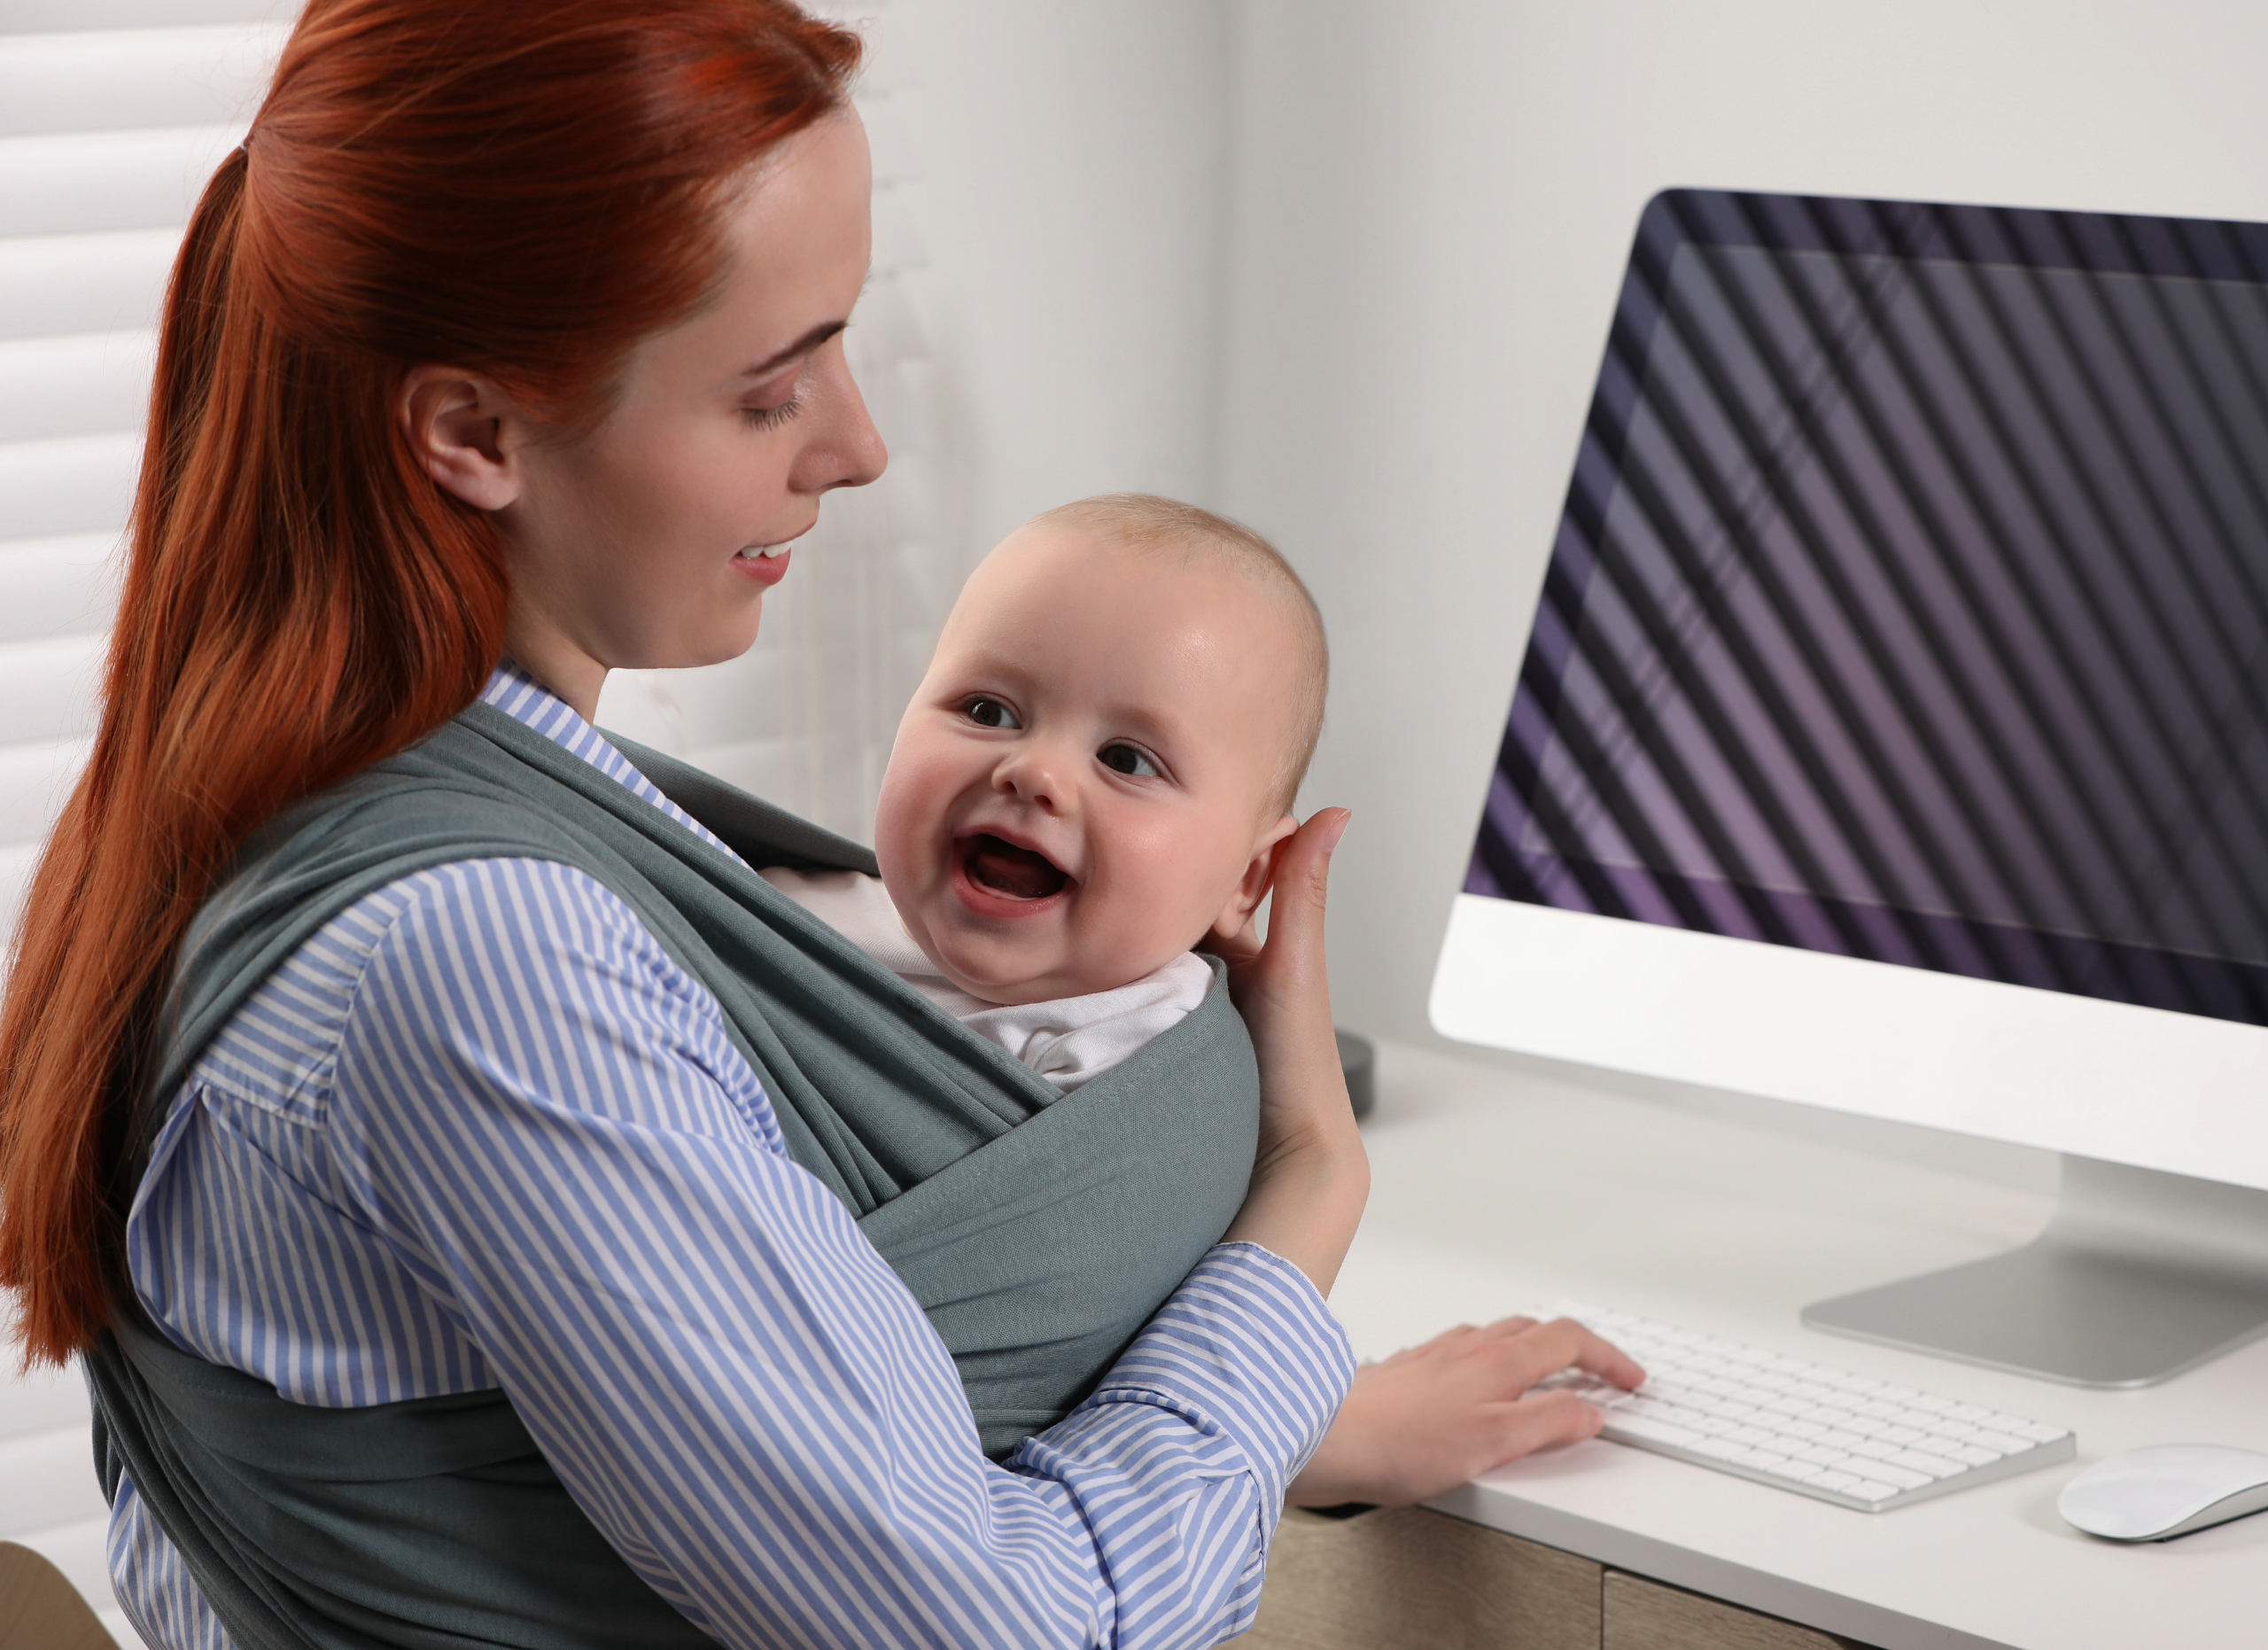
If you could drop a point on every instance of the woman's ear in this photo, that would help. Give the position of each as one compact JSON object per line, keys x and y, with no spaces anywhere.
{"x":458,"y":425}
{"x":1252,"y":887}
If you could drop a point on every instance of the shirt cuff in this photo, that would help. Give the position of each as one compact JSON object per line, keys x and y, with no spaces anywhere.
{"x":1248,"y":1349}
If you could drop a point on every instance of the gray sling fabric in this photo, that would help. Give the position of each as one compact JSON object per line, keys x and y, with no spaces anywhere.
{"x":1037,"y":1232}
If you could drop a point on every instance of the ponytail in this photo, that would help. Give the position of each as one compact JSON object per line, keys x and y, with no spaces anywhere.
{"x":301,"y":599}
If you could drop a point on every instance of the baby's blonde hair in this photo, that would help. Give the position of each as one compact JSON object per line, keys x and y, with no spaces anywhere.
{"x":1146,"y":521}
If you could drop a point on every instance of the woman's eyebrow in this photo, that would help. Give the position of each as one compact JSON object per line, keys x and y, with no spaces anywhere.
{"x":803,"y":345}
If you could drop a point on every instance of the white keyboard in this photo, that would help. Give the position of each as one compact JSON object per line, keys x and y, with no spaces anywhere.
{"x":1845,"y":1438}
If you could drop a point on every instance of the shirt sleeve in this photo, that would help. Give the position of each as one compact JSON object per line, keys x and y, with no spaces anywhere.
{"x":541,"y":1114}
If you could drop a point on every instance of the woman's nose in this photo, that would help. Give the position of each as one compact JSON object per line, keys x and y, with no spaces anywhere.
{"x":844,"y":448}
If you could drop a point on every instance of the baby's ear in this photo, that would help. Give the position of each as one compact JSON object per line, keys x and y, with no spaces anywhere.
{"x":1252,"y":887}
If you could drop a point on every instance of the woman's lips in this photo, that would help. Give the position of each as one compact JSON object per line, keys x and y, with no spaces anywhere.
{"x":766,"y":567}
{"x":996,"y":878}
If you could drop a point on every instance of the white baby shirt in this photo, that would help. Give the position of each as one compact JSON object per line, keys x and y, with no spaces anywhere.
{"x":1067,"y":1040}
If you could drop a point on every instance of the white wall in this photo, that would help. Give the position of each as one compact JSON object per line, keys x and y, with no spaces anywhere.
{"x":1071,"y":158}
{"x":1429,"y":212}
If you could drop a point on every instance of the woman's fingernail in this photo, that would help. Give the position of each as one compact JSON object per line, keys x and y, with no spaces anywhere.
{"x":1332,"y":834}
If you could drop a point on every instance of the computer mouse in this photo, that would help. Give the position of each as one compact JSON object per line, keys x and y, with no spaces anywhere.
{"x":2166,"y":1490}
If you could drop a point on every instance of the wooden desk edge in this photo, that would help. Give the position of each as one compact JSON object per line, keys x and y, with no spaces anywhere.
{"x":1699,"y":1572}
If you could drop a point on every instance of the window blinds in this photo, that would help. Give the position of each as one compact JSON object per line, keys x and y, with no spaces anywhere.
{"x":106,"y":134}
{"x":113,"y":113}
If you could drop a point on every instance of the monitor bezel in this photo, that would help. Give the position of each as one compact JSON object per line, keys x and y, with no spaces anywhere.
{"x":2126,"y":1083}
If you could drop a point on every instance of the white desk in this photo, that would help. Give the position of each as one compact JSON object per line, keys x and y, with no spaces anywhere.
{"x":1496,"y":1187}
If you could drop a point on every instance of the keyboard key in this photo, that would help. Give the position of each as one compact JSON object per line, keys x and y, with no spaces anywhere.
{"x":1647,"y":1431}
{"x":1876,"y":1491}
{"x":1833,"y":1478}
{"x":1904,"y":1477}
{"x":1933,"y":1466}
{"x":2001,"y":1441}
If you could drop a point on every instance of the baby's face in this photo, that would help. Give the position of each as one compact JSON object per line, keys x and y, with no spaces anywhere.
{"x":1081,"y":789}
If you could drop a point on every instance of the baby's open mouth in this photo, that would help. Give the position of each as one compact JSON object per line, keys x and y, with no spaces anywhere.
{"x":1014,"y":873}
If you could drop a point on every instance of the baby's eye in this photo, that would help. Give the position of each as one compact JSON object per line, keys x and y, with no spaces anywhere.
{"x":1125,"y":759}
{"x":990,"y":713}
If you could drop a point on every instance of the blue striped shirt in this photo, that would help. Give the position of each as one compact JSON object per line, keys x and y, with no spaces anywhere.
{"x":480,"y":1131}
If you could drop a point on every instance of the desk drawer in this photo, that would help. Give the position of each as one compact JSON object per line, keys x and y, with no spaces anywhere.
{"x":1408,"y":1578}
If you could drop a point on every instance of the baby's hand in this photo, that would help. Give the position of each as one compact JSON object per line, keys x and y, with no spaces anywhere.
{"x":1431,"y":1418}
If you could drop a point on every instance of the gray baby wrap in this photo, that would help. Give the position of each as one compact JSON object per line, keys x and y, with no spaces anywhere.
{"x":1039,"y":1232}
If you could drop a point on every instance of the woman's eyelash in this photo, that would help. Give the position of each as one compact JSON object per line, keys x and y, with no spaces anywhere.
{"x":765,"y":417}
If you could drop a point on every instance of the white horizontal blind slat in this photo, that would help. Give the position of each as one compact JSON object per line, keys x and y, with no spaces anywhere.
{"x":54,"y":586}
{"x":53,"y":16}
{"x":71,"y":485}
{"x":35,"y":781}
{"x":17,"y":860}
{"x":101,"y":283}
{"x":105,"y":80}
{"x":76,"y":384}
{"x":47,"y":688}
{"x":72,"y":182}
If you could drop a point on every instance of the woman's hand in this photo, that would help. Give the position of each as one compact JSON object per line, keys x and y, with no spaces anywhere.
{"x":1431,"y":1418}
{"x":1310,"y":1178}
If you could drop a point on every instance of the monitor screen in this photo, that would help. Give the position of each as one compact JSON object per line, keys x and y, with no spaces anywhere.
{"x":1910,"y":602}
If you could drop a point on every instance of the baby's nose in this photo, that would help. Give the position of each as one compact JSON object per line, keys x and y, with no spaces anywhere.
{"x":1030,"y":777}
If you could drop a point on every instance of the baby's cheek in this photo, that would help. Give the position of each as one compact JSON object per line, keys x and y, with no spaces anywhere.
{"x":907,"y":818}
{"x":1161,"y":908}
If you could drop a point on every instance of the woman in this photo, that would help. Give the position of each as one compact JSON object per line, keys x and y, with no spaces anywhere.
{"x":507,"y":352}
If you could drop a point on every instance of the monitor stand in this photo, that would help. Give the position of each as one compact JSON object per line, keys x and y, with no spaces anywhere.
{"x":2138,"y":1276}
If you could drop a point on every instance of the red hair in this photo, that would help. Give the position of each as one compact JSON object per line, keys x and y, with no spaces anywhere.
{"x":522,"y":189}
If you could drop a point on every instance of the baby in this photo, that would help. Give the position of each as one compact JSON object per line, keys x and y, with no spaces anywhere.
{"x":1093,"y":777}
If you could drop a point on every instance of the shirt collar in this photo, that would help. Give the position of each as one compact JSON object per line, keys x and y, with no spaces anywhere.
{"x":528,"y":702}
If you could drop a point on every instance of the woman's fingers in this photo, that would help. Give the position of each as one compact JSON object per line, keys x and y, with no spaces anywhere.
{"x":1540,"y":1352}
{"x":1520,"y":1352}
{"x":1543,"y":1420}
{"x":1301,"y":885}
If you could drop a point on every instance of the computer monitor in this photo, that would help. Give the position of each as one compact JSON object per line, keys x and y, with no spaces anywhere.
{"x":1892,"y":734}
